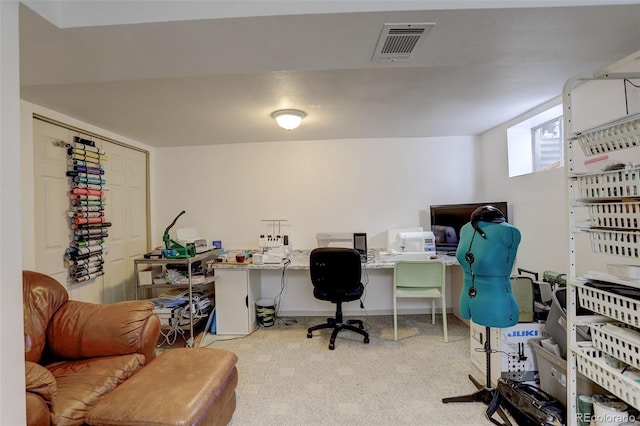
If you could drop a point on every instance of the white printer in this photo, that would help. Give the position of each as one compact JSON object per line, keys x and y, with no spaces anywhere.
{"x":186,"y":236}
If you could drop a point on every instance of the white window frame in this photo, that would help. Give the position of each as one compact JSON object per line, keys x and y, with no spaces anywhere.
{"x":520,"y":144}
{"x":536,"y":146}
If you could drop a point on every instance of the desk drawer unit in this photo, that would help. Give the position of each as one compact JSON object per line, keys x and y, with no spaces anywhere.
{"x":236,"y":293}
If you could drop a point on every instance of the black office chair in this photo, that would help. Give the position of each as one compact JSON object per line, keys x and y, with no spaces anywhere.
{"x":335,"y":274}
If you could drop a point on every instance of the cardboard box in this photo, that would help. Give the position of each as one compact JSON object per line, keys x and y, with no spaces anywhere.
{"x":146,"y":276}
{"x":513,"y":356}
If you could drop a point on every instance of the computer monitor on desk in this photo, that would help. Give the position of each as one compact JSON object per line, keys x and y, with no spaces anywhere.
{"x":360,"y":244}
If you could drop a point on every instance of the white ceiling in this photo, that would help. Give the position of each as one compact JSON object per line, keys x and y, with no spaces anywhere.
{"x":216,"y":79}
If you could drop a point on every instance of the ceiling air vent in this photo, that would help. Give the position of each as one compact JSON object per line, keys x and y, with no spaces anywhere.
{"x":398,"y":41}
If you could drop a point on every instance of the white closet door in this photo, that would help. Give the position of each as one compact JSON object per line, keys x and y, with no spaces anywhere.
{"x":126,"y":209}
{"x":51,"y":202}
{"x":137,"y":215}
{"x":115,"y":267}
{"x":126,"y":176}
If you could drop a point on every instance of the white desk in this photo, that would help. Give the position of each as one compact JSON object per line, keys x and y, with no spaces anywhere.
{"x":300,"y":260}
{"x":239,"y":286}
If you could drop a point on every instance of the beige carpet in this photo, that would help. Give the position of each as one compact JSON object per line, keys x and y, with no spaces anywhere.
{"x":287,"y":379}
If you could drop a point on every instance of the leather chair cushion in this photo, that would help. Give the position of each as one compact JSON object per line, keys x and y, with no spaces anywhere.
{"x":41,"y":382}
{"x":81,"y":383}
{"x":184,"y":386}
{"x":84,"y":330}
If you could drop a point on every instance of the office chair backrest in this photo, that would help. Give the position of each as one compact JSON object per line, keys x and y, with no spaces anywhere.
{"x":409,"y":273}
{"x":335,"y":268}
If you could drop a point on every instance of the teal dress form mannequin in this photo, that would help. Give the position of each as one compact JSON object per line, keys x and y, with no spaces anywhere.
{"x":486,"y":296}
{"x":487,"y":252}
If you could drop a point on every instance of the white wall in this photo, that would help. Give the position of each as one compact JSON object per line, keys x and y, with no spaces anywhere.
{"x":537,"y":201}
{"x":12,"y":402}
{"x":318,"y":186}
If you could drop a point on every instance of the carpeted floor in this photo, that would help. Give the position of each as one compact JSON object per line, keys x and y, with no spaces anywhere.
{"x":287,"y":379}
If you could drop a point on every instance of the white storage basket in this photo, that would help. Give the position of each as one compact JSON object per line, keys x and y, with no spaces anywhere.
{"x":591,"y":365}
{"x":617,"y":243}
{"x":622,"y":134}
{"x":620,"y":308}
{"x":617,"y":341}
{"x":615,"y":215}
{"x":615,"y":184}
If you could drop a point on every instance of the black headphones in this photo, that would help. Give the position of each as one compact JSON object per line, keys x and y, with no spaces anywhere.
{"x":481,"y":214}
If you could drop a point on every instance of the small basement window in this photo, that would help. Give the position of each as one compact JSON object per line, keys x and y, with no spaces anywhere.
{"x":536,"y":144}
{"x":546,"y":144}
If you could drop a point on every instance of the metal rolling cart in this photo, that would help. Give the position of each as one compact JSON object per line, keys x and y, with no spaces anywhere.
{"x":191,"y":283}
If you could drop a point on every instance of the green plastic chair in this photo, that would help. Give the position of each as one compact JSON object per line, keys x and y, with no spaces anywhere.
{"x":420,"y":279}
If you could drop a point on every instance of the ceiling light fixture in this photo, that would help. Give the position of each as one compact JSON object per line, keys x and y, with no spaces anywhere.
{"x":288,"y":119}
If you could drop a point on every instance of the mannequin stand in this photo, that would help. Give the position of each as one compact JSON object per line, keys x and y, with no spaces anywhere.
{"x":485,"y":394}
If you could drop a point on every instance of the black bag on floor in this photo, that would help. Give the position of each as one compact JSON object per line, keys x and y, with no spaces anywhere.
{"x":529,"y":405}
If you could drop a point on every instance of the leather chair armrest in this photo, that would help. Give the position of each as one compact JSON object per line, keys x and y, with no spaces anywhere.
{"x":40,"y":381}
{"x":37,"y":411}
{"x":86,"y":330}
{"x":41,"y":389}
{"x":149,"y":338}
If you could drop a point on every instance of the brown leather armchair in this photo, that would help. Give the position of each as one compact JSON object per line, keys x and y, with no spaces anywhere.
{"x":76,"y":352}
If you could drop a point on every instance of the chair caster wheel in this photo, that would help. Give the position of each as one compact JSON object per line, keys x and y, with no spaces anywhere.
{"x":366,"y":340}
{"x":332,"y":346}
{"x":309,"y":335}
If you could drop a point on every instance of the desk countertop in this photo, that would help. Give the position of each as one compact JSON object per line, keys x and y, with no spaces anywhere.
{"x":299,"y":259}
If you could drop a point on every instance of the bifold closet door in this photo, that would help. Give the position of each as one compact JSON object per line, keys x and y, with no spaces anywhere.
{"x":51,"y":200}
{"x":126,"y":209}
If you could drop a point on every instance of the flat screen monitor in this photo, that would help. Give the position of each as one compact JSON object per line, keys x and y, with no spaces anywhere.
{"x":360,"y":244}
{"x":448,"y":219}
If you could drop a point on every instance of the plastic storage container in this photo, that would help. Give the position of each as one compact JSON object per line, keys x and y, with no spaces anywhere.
{"x":552,"y":371}
{"x":625,"y":272}
{"x":556,"y":324}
